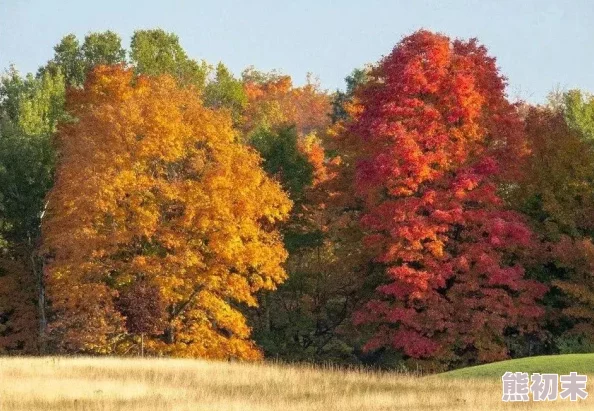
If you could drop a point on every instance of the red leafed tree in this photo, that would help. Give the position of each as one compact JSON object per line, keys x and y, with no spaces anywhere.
{"x":437,"y":140}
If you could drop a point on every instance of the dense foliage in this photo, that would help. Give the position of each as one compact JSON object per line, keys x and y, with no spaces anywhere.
{"x":154,"y":188}
{"x":154,"y":203}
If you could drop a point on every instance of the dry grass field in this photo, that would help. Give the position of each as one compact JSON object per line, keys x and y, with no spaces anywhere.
{"x":64,"y":384}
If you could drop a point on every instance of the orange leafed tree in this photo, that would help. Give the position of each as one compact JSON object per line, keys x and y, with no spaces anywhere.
{"x":274,"y":102}
{"x":156,"y":199}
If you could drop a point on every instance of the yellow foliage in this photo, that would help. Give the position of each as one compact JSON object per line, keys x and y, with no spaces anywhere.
{"x":151,"y":184}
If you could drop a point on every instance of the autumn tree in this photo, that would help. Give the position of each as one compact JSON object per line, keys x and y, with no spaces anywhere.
{"x":154,"y":188}
{"x":285,"y":123}
{"x":574,"y":256}
{"x":557,"y":194}
{"x":307,"y":318}
{"x":273,"y":101}
{"x":556,"y":187}
{"x":435,"y":135}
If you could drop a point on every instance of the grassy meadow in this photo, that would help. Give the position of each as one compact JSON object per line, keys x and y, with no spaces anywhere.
{"x":64,"y":384}
{"x":558,"y":364}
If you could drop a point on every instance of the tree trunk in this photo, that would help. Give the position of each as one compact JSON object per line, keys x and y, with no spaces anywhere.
{"x":266,"y":312}
{"x":169,"y":335}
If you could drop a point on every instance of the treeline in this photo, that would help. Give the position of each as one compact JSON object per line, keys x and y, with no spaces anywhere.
{"x":152,"y":203}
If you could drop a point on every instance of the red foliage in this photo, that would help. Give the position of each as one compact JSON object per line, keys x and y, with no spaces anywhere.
{"x":434,"y":129}
{"x":144,"y":308}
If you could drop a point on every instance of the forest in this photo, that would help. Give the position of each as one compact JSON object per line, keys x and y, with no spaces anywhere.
{"x":158,"y":205}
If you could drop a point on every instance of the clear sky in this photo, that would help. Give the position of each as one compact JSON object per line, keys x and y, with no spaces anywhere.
{"x":539,"y":44}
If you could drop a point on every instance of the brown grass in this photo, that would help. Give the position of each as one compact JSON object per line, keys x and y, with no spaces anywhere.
{"x":163,"y":384}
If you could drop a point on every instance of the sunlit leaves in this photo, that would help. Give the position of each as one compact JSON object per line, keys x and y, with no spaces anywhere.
{"x":153,"y":187}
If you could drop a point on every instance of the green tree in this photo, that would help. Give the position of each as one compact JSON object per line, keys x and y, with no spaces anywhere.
{"x":75,"y":60}
{"x":225,"y":91}
{"x":353,"y":81}
{"x":283,"y":159}
{"x":579,"y":112}
{"x":30,"y":109}
{"x":155,"y":52}
{"x":68,"y":57}
{"x":102,"y":48}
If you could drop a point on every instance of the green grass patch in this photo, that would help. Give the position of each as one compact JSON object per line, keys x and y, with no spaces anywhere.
{"x":551,"y":364}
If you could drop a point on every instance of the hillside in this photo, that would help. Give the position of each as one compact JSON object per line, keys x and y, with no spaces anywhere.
{"x":162,"y":384}
{"x":557,"y":364}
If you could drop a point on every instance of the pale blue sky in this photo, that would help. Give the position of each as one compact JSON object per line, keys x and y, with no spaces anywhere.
{"x":539,"y":44}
